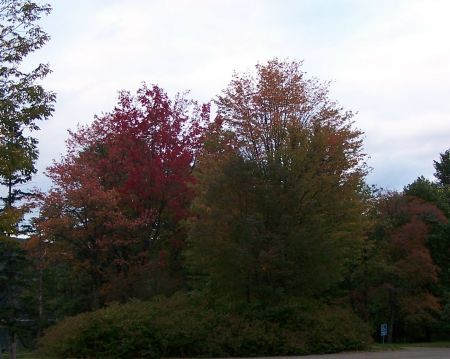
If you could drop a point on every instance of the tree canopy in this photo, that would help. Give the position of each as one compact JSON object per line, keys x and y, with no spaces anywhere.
{"x":121,"y":191}
{"x":278,"y":194}
{"x":258,"y":222}
{"x":23,"y":104}
{"x":23,"y":101}
{"x":442,"y":168}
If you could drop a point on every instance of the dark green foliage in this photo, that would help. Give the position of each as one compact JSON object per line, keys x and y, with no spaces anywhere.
{"x":93,"y":334}
{"x":310,"y":327}
{"x":181,"y":326}
{"x":430,"y":192}
{"x":442,"y":168}
{"x":337,"y":329}
{"x":16,"y":306}
{"x":65,"y":292}
{"x":23,"y":102}
{"x":278,"y":210}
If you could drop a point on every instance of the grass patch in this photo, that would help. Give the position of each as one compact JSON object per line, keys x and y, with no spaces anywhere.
{"x":27,"y":355}
{"x":441,"y":344}
{"x":388,"y":346}
{"x":23,"y":354}
{"x":399,"y":346}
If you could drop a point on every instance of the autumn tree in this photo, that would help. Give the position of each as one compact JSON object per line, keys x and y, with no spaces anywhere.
{"x":438,"y":240}
{"x":398,"y":275}
{"x":278,"y":208}
{"x":121,"y":192}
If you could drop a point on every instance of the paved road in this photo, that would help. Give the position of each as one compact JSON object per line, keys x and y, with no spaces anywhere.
{"x":407,"y":353}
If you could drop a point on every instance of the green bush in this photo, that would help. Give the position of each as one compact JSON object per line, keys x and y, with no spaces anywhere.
{"x":180,"y":326}
{"x":306,"y":326}
{"x":337,"y":329}
{"x":119,"y":331}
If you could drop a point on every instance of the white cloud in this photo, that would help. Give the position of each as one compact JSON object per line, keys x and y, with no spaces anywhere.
{"x":389,"y":59}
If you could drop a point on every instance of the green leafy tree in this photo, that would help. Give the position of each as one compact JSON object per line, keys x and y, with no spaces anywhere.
{"x":23,"y":101}
{"x":442,"y":168}
{"x":429,"y":191}
{"x":278,"y":209}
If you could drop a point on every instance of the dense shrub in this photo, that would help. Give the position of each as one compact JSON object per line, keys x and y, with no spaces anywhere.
{"x":337,"y":329}
{"x":119,"y":331}
{"x":311,"y":327}
{"x":179,"y":326}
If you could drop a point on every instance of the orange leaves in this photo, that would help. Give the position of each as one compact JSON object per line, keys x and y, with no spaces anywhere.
{"x":277,"y":186}
{"x":402,"y":271}
{"x":409,"y":221}
{"x":277,"y":113}
{"x":125,"y":183}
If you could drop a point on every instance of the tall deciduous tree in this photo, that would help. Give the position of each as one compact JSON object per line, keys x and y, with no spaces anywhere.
{"x":23,"y":103}
{"x":121,"y":192}
{"x":278,"y":202}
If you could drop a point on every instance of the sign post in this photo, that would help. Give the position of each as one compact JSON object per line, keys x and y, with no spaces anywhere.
{"x":383,"y":330}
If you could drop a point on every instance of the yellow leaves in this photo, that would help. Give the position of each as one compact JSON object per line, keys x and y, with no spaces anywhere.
{"x":9,"y":219}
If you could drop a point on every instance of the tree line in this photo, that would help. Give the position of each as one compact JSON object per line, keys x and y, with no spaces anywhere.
{"x":258,"y":210}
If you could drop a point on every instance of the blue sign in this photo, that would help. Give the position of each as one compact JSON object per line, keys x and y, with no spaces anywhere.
{"x":383,"y":329}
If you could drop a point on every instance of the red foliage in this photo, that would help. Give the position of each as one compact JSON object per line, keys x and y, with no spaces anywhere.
{"x":126,"y":181}
{"x":403,"y":270}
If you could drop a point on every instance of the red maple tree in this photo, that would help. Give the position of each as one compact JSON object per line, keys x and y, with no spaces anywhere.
{"x":122,"y":189}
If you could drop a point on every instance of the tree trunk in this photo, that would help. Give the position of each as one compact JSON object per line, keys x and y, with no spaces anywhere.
{"x":9,"y":200}
{"x":40,"y":303}
{"x":392,"y":315}
{"x":247,"y":288}
{"x":391,"y":327}
{"x":12,"y":345}
{"x":41,"y":257}
{"x":95,"y":301}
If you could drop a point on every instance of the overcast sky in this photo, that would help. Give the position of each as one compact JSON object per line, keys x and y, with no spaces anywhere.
{"x":388,"y":60}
